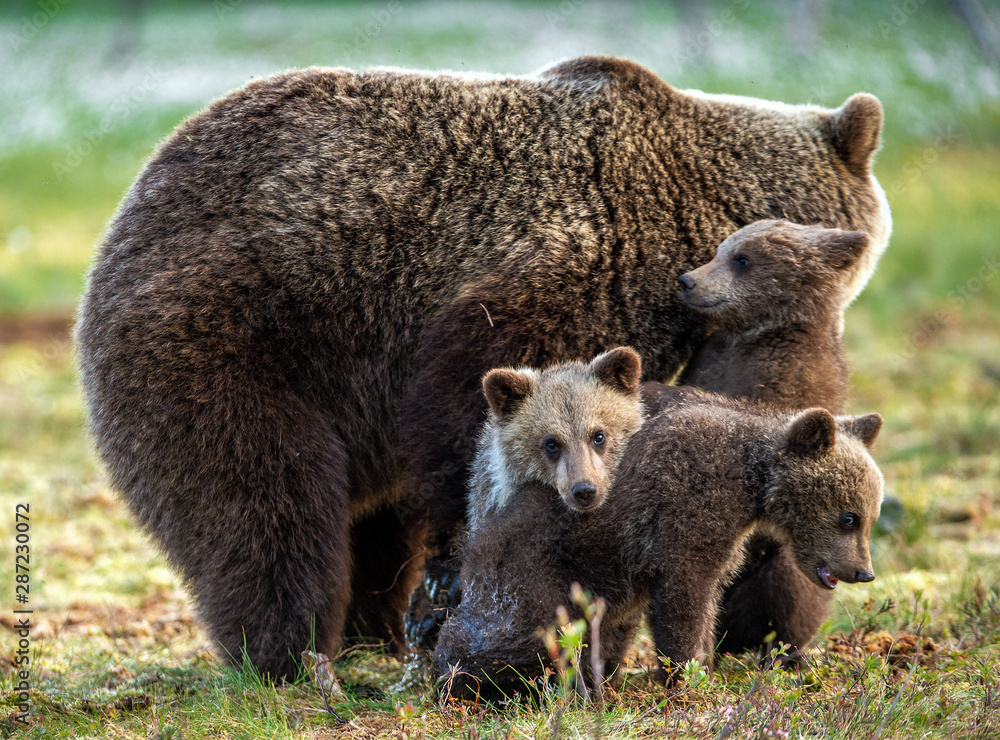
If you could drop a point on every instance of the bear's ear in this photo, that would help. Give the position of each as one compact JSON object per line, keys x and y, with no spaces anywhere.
{"x":506,"y":389}
{"x":854,"y":130}
{"x":619,"y":368}
{"x":865,"y":428}
{"x":812,"y":433}
{"x":844,"y":248}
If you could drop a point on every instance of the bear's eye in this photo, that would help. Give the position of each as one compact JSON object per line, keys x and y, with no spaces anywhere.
{"x":849,"y":520}
{"x":551,"y":446}
{"x":598,"y":438}
{"x":741,"y":261}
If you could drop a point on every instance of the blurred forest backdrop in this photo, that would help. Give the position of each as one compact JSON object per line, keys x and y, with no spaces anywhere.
{"x":89,"y":88}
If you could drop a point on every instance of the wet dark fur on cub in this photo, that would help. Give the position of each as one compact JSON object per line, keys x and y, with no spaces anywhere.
{"x":693,"y":481}
{"x":284,"y":330}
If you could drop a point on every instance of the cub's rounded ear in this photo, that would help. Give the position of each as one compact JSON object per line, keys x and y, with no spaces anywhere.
{"x":854,"y":131}
{"x":619,"y":368}
{"x":844,"y":248}
{"x":865,"y":428}
{"x":812,"y":433}
{"x":506,"y":389}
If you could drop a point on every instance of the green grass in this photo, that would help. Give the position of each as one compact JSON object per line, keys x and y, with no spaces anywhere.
{"x":118,"y":651}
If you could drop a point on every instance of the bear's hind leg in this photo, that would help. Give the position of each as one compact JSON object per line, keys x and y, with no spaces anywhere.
{"x":283,"y":584}
{"x":681,"y":620}
{"x":266,"y":548}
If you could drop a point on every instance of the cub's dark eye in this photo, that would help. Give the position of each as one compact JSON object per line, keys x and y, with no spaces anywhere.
{"x":741,"y":261}
{"x":849,"y":520}
{"x":598,"y":438}
{"x":551,"y":446}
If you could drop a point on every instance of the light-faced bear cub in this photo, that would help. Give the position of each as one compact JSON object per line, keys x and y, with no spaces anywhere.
{"x":564,"y":427}
{"x":774,"y":297}
{"x":693,"y":483}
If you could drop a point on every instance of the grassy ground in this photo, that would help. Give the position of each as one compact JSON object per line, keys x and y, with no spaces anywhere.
{"x":116,"y":650}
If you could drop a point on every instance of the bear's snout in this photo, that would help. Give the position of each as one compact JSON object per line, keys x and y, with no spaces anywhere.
{"x":687,"y":282}
{"x":584,"y":493}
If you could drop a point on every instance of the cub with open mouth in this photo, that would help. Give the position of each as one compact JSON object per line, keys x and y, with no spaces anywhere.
{"x":774,"y":295}
{"x":692,"y":484}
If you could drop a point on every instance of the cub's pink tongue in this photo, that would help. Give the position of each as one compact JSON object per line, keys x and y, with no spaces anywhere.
{"x":828,"y":580}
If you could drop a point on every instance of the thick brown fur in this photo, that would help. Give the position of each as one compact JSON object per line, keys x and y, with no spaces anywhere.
{"x":564,"y":427}
{"x":694,"y":481}
{"x":774,"y":296}
{"x":285,"y":327}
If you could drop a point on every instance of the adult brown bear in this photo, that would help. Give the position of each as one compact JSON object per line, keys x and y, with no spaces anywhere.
{"x":283,"y":335}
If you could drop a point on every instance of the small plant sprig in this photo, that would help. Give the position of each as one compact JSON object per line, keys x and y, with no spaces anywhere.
{"x":566,"y":642}
{"x":593,"y":612}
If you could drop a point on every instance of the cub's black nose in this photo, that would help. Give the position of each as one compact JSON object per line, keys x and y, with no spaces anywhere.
{"x":584,"y":492}
{"x":687,"y":282}
{"x":865,"y":576}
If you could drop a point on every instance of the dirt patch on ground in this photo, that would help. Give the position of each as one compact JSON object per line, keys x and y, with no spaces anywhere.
{"x":899,"y":650}
{"x":156,"y":617}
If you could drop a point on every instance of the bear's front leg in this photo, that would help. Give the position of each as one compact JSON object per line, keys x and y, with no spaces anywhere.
{"x":431,"y":602}
{"x":440,"y":445}
{"x":441,"y":472}
{"x":682,"y":620}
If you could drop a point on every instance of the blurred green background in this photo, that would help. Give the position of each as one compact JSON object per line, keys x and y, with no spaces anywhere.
{"x":89,"y":88}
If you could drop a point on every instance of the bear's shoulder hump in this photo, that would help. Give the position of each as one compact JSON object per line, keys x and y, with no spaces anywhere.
{"x":598,"y":72}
